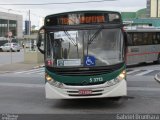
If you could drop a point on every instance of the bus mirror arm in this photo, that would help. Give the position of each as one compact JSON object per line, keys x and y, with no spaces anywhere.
{"x":39,"y":44}
{"x":42,"y":51}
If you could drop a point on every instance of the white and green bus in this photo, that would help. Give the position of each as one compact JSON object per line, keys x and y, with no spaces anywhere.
{"x":84,"y":54}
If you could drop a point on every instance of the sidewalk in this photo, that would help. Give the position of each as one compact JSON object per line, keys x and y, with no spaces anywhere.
{"x":157,"y":77}
{"x":14,"y":67}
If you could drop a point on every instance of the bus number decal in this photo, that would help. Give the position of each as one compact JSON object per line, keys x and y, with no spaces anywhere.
{"x":94,"y":80}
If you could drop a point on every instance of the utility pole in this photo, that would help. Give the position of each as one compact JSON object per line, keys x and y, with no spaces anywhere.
{"x":8,"y":30}
{"x":29,"y":24}
{"x":157,"y":7}
{"x":9,"y":34}
{"x":29,"y":32}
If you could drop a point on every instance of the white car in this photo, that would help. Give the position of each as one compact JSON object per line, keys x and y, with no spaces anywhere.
{"x":10,"y":46}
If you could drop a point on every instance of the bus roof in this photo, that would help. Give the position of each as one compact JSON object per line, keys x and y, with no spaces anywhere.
{"x":83,"y":11}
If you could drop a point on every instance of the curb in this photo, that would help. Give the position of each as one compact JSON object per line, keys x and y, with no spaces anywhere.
{"x":157,"y":77}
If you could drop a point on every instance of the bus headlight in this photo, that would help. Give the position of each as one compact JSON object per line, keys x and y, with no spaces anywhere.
{"x":53,"y":82}
{"x":122,"y":75}
{"x":48,"y":78}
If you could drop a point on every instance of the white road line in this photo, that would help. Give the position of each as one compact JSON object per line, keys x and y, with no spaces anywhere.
{"x":36,"y":72}
{"x":145,"y":72}
{"x":143,"y":89}
{"x":130,"y":72}
{"x":141,"y":80}
{"x":31,"y":71}
{"x":22,"y":85}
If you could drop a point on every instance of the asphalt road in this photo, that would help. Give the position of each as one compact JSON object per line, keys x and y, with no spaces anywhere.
{"x":23,"y":93}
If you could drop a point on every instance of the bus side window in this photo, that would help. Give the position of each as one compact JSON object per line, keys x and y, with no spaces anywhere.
{"x":147,"y":38}
{"x":158,"y":38}
{"x":154,"y":38}
{"x":129,"y":39}
{"x":137,"y":39}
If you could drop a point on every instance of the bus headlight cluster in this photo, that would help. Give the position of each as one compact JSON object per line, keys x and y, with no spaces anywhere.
{"x":122,"y":75}
{"x":53,"y":82}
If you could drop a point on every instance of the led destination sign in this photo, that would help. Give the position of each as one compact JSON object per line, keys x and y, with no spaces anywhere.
{"x":82,"y":18}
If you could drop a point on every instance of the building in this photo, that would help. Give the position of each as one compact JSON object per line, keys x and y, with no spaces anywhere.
{"x":148,"y":8}
{"x":153,"y":8}
{"x":13,"y":23}
{"x":149,"y":16}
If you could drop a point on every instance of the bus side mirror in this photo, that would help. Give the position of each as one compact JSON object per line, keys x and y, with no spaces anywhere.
{"x":40,"y":40}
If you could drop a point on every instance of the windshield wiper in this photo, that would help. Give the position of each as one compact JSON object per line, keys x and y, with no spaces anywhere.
{"x":70,"y":38}
{"x":95,"y":34}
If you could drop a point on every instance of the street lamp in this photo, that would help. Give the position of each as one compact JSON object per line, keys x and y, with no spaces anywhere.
{"x":8,"y":22}
{"x":9,"y":35}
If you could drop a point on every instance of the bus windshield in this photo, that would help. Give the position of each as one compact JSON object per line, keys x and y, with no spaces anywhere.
{"x":85,"y":48}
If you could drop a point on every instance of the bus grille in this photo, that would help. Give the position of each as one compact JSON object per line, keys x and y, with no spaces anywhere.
{"x":84,"y":84}
{"x":85,"y":71}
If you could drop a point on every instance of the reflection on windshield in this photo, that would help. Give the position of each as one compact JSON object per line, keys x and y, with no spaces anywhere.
{"x":70,"y":48}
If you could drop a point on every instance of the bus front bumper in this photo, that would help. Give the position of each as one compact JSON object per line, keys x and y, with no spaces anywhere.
{"x":98,"y":91}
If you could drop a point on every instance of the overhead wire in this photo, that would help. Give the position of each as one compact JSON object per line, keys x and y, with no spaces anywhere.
{"x":21,"y":11}
{"x":23,"y":4}
{"x":36,"y":4}
{"x":42,"y":4}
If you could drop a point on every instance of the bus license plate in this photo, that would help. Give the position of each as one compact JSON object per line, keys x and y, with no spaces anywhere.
{"x":85,"y":92}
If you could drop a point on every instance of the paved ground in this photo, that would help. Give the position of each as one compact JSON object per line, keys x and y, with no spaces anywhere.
{"x":18,"y":67}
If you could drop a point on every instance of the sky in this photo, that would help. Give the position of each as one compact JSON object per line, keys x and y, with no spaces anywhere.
{"x":38,"y":12}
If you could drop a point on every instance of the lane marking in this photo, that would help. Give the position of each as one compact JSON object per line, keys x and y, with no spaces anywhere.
{"x":143,"y":73}
{"x":22,"y":85}
{"x":141,"y":80}
{"x":143,"y":89}
{"x":31,"y":71}
{"x":130,"y":72}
